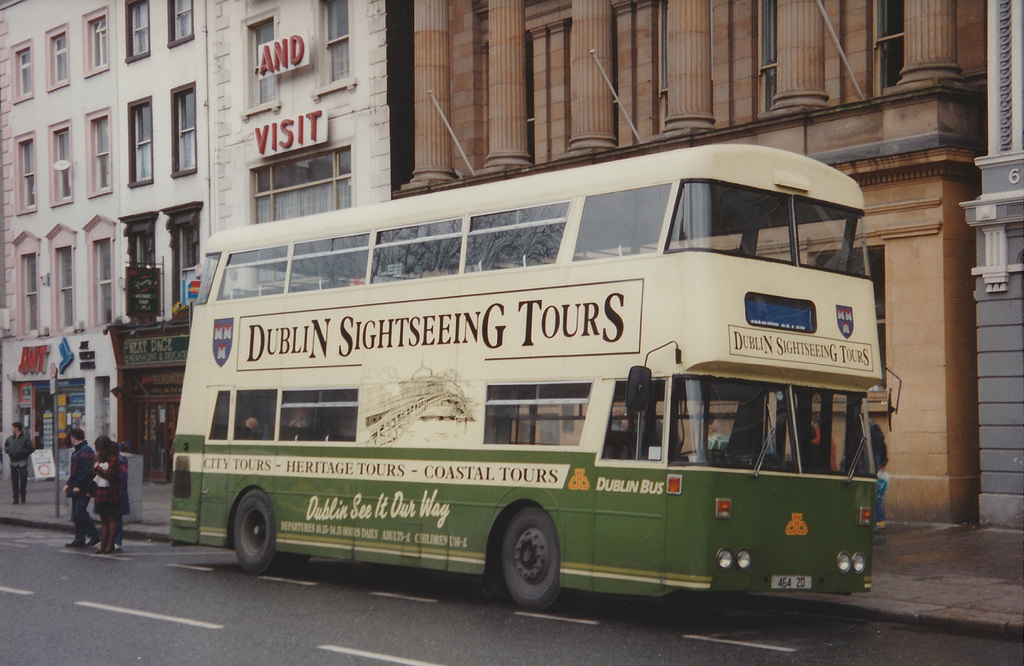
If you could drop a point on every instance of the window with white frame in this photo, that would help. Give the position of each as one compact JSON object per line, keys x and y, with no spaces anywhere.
{"x":99,"y":153}
{"x":889,"y":42}
{"x":337,"y":38}
{"x":179,"y":21}
{"x":23,"y":72}
{"x":138,"y":29}
{"x":64,"y":271}
{"x":303,"y":187}
{"x":769,"y":54}
{"x":26,"y":199}
{"x":104,"y":272}
{"x":60,"y":175}
{"x":57,"y":69}
{"x":266,"y":86}
{"x":183,"y":115}
{"x":140,"y":140}
{"x":183,"y":225}
{"x":30,"y":292}
{"x":96,"y":56}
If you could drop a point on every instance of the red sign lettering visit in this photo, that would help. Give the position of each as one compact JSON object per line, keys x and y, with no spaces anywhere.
{"x":291,"y":133}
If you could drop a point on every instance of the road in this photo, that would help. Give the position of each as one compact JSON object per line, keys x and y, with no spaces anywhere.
{"x":160,"y":604}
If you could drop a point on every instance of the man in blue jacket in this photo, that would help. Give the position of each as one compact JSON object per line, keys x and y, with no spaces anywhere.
{"x":77,"y":488}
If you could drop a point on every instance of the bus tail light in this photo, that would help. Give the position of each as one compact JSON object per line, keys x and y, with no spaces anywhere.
{"x":675,"y":484}
{"x":723,"y":508}
{"x":865,"y":515}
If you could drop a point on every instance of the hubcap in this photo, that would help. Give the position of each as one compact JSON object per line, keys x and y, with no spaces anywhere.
{"x":530,"y":555}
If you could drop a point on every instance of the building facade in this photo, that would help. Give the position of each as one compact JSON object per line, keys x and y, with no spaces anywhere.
{"x":62,"y":246}
{"x":998,"y":218}
{"x":300,"y":104}
{"x":892,"y":93}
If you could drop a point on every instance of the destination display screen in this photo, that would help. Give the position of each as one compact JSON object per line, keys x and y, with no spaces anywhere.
{"x":790,"y":314}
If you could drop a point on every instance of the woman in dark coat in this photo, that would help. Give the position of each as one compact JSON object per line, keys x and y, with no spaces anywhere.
{"x":106,"y":498}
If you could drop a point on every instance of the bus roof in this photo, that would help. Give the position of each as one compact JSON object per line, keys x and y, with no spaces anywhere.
{"x":753,"y":166}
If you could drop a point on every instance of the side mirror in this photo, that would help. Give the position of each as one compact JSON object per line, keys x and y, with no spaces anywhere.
{"x":890,"y":409}
{"x":638,"y":388}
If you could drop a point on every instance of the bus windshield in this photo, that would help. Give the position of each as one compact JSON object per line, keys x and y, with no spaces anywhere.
{"x":769,"y":225}
{"x":734,"y":424}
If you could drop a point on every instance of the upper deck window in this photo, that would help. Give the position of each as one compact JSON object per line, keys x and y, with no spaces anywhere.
{"x":424,"y":250}
{"x":516,"y":238}
{"x":619,"y":224}
{"x":766,"y":225}
{"x":255,"y":273}
{"x":329,"y":263}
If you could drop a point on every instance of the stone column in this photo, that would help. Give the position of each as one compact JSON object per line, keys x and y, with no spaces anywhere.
{"x":801,"y":70}
{"x":432,"y":73}
{"x":506,"y":72}
{"x":593,"y":119}
{"x":689,"y":67}
{"x":929,"y":41}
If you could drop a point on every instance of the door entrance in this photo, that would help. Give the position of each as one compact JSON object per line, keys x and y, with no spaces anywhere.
{"x":156,"y":425}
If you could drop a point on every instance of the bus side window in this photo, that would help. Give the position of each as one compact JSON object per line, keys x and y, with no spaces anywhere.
{"x":255,"y":414}
{"x":219,"y":427}
{"x":633,"y":435}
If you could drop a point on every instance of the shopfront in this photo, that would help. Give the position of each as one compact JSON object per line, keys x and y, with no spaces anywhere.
{"x":150,"y":370}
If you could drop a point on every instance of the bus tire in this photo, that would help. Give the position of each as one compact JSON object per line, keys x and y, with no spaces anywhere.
{"x":531,"y":559}
{"x":255,"y":533}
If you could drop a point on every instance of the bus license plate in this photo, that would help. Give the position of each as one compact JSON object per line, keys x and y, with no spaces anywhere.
{"x":791,"y":582}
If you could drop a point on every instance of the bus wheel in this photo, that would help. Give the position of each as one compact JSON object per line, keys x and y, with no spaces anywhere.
{"x":255,"y":533}
{"x":531,"y":559}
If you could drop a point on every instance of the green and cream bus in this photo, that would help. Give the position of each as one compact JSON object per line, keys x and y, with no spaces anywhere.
{"x":635,"y":377}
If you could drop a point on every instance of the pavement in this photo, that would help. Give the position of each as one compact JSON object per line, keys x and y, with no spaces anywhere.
{"x":953,"y":578}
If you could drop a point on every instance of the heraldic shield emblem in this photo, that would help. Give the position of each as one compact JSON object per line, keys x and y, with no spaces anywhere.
{"x":844,"y":318}
{"x":223,"y":332}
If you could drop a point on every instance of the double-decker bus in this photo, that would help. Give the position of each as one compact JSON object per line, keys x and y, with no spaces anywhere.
{"x":634,"y":377}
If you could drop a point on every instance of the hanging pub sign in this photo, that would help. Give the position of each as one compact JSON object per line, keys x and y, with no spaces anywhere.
{"x":143,"y":287}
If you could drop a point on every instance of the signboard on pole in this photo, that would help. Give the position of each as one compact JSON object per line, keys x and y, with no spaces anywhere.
{"x":42,"y":464}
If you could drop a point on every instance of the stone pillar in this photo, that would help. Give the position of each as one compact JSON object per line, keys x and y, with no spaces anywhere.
{"x":506,"y":71}
{"x":689,"y":67}
{"x":432,"y":73}
{"x":929,"y":41}
{"x":801,"y":70}
{"x":593,"y":119}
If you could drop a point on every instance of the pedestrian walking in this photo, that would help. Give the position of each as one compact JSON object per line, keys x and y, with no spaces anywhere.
{"x":106,"y":491}
{"x":880,"y":452}
{"x":19,"y":449}
{"x":77,"y":488}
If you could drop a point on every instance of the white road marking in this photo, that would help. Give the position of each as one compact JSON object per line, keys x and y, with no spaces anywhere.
{"x":759,"y":646}
{"x":152,"y":616}
{"x":376,"y":655}
{"x":544,"y":616}
{"x":190,"y":567}
{"x":288,"y":580}
{"x":14,"y":590}
{"x":407,"y":597}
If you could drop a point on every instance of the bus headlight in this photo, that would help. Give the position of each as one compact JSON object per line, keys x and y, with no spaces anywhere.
{"x":725,"y":559}
{"x":843,"y":562}
{"x":859,"y":563}
{"x":743,"y":560}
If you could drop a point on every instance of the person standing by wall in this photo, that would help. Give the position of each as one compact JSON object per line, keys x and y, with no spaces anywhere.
{"x":19,"y":448}
{"x":77,"y":488}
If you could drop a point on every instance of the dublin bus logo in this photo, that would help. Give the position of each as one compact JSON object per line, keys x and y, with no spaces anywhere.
{"x":222,"y":334}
